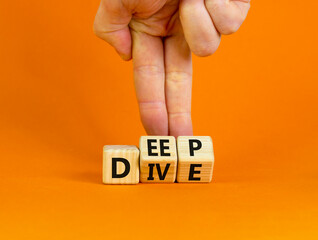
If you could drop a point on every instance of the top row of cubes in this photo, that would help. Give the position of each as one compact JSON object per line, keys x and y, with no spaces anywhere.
{"x":160,"y":160}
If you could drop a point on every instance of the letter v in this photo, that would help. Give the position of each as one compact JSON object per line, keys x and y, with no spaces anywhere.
{"x":162,"y":176}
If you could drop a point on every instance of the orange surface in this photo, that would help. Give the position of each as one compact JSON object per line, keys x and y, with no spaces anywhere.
{"x":64,"y":94}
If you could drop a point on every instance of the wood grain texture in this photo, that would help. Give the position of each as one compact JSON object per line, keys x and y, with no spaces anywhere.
{"x":198,"y":152}
{"x":129,"y":152}
{"x":160,"y":161}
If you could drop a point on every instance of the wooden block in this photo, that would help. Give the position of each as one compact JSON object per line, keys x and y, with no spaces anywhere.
{"x":120,"y":164}
{"x":195,"y":159}
{"x":158,"y":159}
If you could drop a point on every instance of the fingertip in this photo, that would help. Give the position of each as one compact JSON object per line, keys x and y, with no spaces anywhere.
{"x":205,"y":49}
{"x":125,"y":57}
{"x":154,"y":118}
{"x":180,"y":125}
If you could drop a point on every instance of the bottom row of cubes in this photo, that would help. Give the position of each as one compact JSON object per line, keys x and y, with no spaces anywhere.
{"x":160,"y":159}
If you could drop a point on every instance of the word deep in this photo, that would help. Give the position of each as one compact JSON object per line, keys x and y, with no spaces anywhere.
{"x":159,"y":159}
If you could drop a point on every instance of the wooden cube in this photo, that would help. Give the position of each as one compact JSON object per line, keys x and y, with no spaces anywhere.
{"x":120,"y":164}
{"x":158,"y":159}
{"x":195,"y":159}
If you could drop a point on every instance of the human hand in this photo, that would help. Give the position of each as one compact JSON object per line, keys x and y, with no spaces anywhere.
{"x":159,"y":35}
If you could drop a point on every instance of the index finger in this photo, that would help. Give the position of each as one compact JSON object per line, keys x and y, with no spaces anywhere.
{"x":149,"y":79}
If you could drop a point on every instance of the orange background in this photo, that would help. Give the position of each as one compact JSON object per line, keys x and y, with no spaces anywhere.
{"x":64,"y":94}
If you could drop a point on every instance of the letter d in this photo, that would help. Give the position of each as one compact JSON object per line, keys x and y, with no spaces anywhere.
{"x":114,"y":167}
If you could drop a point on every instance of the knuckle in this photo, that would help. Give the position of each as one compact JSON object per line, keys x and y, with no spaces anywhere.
{"x":152,"y":104}
{"x":227,"y":16}
{"x":149,"y":70}
{"x":213,"y":5}
{"x":180,"y":114}
{"x":178,"y":76}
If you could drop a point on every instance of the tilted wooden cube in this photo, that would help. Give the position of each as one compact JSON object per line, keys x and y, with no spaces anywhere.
{"x":158,"y":159}
{"x":195,"y":159}
{"x":120,"y":164}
